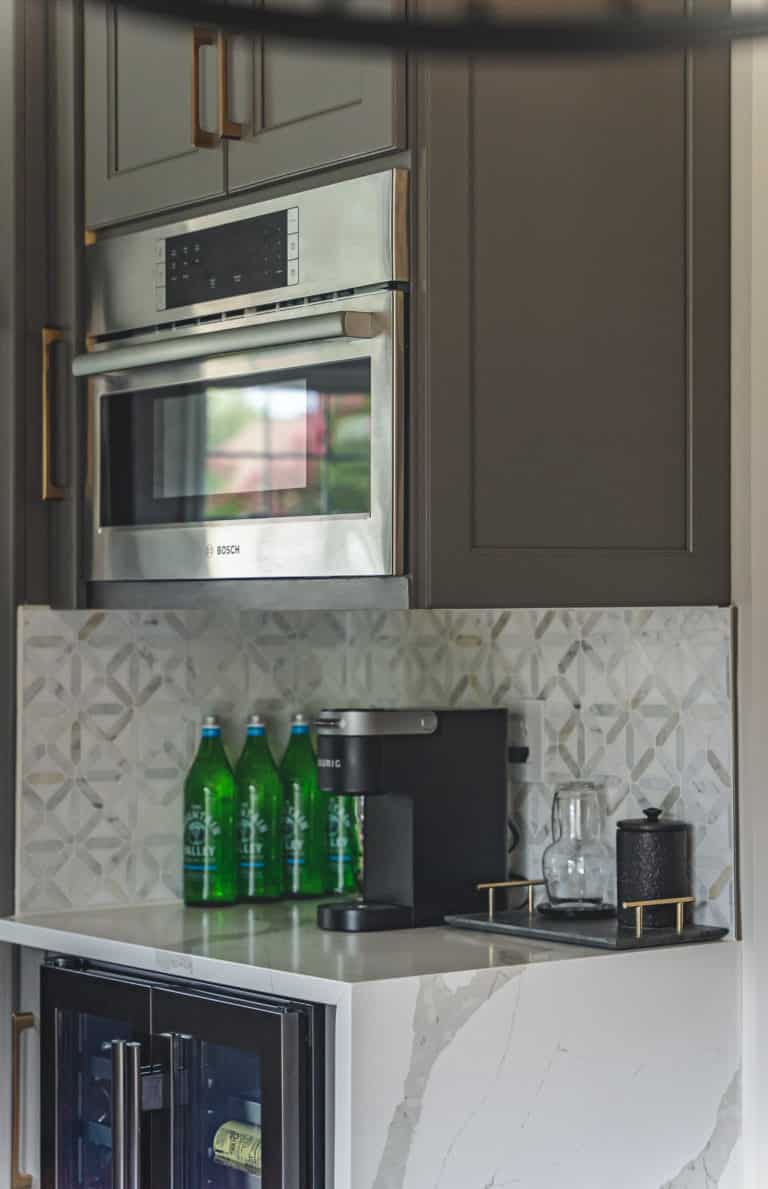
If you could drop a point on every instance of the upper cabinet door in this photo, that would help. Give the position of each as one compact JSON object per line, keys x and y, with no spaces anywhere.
{"x":573,"y":441}
{"x":139,"y":150}
{"x":307,"y":107}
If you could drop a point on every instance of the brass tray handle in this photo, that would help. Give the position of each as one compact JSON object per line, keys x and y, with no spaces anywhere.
{"x":201,"y":37}
{"x":20,"y":1022}
{"x":228,"y":129}
{"x":640,"y":906}
{"x":50,"y":490}
{"x":490,"y":888}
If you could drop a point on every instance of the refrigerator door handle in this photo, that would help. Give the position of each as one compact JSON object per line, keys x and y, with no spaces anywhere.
{"x":119,"y":1138}
{"x":133,"y":1113}
{"x":171,"y":1049}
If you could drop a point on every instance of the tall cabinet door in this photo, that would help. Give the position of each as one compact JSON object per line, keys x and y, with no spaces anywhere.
{"x":307,"y":107}
{"x":139,"y":150}
{"x":237,"y":1103}
{"x":573,"y":404}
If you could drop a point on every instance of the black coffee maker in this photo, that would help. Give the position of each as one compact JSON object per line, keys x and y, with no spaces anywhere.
{"x":435,"y":820}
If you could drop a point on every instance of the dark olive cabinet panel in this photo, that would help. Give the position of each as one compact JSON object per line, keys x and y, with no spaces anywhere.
{"x":304,"y":107}
{"x":139,"y":151}
{"x":573,"y":429}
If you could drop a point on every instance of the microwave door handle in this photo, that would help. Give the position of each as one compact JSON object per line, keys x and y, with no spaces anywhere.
{"x":311,"y":328}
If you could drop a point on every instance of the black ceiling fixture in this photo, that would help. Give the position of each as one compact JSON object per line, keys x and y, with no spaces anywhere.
{"x":625,"y":30}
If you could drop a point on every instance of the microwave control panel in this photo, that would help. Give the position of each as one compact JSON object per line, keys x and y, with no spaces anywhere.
{"x":242,"y":257}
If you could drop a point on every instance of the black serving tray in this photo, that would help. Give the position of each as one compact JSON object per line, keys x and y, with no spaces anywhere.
{"x":603,"y":935}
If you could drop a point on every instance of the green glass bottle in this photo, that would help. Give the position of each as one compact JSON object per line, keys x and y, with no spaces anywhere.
{"x":343,"y":846}
{"x":260,"y":818}
{"x":306,"y":816}
{"x":210,"y":872}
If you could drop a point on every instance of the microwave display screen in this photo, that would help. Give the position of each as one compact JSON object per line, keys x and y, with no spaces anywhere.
{"x":282,"y":444}
{"x":247,"y":256}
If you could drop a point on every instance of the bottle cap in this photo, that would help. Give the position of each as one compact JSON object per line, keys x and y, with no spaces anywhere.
{"x":210,"y":725}
{"x":299,"y":725}
{"x":299,"y":718}
{"x":255,"y":720}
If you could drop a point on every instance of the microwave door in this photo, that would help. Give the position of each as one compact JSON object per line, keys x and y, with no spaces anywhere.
{"x":282,"y":462}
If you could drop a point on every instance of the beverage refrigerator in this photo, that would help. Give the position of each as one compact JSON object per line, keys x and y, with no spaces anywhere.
{"x":159,"y":1083}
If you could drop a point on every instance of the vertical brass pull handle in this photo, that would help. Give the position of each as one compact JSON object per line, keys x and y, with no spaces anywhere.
{"x":50,"y":490}
{"x":200,"y":37}
{"x":228,"y":129}
{"x":20,"y":1022}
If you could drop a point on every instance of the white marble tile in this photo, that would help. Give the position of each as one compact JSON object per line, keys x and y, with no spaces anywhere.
{"x":638,"y":697}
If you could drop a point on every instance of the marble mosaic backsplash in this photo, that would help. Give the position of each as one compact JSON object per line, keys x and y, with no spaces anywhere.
{"x":111,"y":703}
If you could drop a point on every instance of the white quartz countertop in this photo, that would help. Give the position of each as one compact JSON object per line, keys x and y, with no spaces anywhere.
{"x":276,"y":947}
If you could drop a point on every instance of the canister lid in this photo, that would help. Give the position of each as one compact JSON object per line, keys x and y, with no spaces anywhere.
{"x":650,"y":822}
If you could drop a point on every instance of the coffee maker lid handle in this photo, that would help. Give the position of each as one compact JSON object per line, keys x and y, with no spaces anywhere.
{"x":376,"y":722}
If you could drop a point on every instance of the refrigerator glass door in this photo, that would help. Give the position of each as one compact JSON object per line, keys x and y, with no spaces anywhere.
{"x":237,"y":1075}
{"x":95,"y":1043}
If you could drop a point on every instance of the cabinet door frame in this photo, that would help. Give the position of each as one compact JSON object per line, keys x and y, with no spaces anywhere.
{"x":450,"y":570}
{"x":112,"y":196}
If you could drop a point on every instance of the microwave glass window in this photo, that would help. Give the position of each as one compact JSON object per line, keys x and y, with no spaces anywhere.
{"x":241,"y":439}
{"x":287,"y":444}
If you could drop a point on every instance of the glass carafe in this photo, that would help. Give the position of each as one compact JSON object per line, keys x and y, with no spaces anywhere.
{"x":578,"y":865}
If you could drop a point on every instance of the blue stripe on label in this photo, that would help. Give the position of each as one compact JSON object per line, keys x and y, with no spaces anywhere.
{"x":295,"y":862}
{"x":340,"y":858}
{"x":198,"y":867}
{"x":251,"y":865}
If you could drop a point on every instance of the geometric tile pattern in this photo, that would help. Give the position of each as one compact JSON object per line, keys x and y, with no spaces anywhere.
{"x":111,"y":703}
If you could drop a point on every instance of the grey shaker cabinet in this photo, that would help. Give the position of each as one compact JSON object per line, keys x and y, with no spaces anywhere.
{"x":297,"y":109}
{"x":139,"y":151}
{"x":571,"y":401}
{"x":308,"y":107}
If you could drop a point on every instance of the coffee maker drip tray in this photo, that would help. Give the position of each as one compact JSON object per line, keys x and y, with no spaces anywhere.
{"x":360,"y":916}
{"x":606,"y":934}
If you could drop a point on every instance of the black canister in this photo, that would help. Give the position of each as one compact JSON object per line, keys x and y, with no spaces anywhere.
{"x":652,"y":863}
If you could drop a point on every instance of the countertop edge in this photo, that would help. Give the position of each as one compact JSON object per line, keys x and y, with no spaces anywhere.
{"x":132,"y":955}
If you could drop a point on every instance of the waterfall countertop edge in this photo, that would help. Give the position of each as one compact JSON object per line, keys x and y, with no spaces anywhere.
{"x":278,"y":949}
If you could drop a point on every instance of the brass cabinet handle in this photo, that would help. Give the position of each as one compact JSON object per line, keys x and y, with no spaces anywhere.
{"x":20,"y":1022}
{"x":228,"y":129}
{"x":50,"y":490}
{"x":201,"y":37}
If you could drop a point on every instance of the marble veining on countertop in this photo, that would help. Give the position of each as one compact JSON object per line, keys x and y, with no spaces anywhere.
{"x":278,"y":938}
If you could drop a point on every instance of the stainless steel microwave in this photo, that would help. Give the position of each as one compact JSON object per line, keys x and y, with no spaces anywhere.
{"x":245,"y":391}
